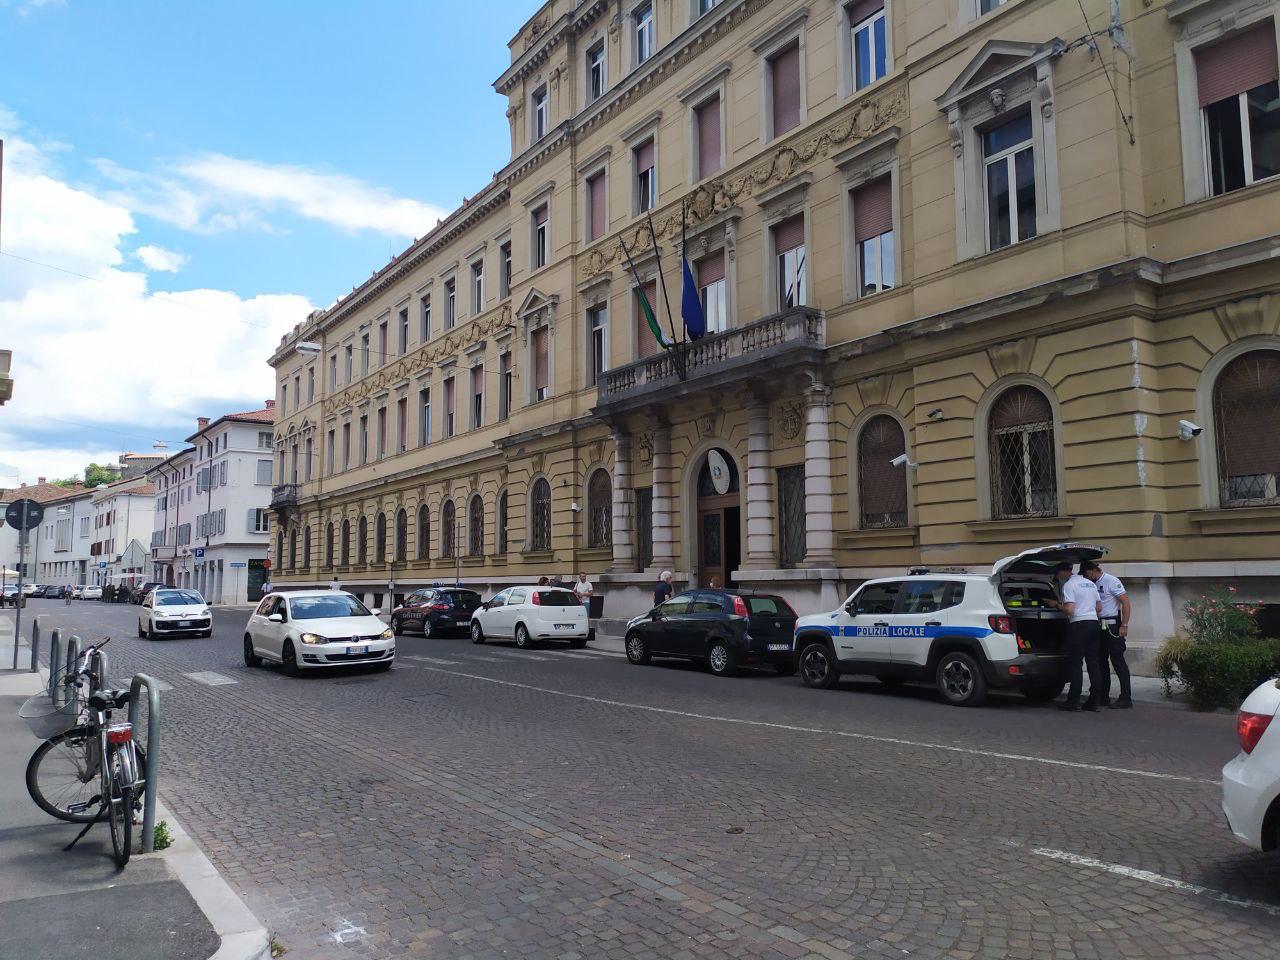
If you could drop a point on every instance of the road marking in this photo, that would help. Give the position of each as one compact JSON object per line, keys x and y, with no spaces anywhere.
{"x":209,"y":678}
{"x":572,"y":656}
{"x":1159,"y":880}
{"x":869,"y":738}
{"x":443,"y":663}
{"x":163,"y":684}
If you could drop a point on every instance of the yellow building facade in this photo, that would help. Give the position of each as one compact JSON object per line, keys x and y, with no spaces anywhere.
{"x":977,"y":276}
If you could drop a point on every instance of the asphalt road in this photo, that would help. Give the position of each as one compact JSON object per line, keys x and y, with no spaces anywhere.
{"x":489,"y":802}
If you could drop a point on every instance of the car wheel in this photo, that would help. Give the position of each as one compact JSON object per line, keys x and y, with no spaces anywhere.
{"x":141,"y":633}
{"x":523,"y":640}
{"x":1043,"y":692}
{"x":426,"y":628}
{"x":151,"y":631}
{"x":817,"y":667}
{"x":720,"y":659}
{"x":785,"y":669}
{"x":960,"y":680}
{"x":578,"y":643}
{"x":477,"y":632}
{"x":290,"y":659}
{"x":396,"y":628}
{"x":251,"y":659}
{"x":637,"y":649}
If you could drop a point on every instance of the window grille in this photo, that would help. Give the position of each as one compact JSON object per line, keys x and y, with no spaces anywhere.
{"x":1246,"y":412}
{"x":1023,"y":481}
{"x":791,"y":516}
{"x":882,"y":487}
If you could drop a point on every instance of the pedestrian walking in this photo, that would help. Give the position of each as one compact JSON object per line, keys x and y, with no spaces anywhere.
{"x":1113,"y":617}
{"x":1080,"y":603}
{"x":543,"y":581}
{"x":266,"y":587}
{"x":583,"y":590}
{"x":662,"y":590}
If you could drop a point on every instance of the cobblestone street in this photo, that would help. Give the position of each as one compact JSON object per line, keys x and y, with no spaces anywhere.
{"x":488,"y":802}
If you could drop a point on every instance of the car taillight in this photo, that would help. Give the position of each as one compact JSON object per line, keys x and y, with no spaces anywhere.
{"x":1000,"y":624}
{"x":739,"y":607}
{"x":120,"y":733}
{"x":1249,"y":728}
{"x":1023,"y":643}
{"x":439,"y":606}
{"x":536,"y":599}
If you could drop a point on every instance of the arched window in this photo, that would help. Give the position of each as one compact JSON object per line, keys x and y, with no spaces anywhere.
{"x":540,"y":515}
{"x":328,"y":544}
{"x":1246,"y":415}
{"x":600,"y":510}
{"x":362,"y":541}
{"x":293,"y":547}
{"x":306,"y":548}
{"x":500,"y":522}
{"x":380,"y":539}
{"x":424,"y":532}
{"x":346,"y":542}
{"x":475,"y":527}
{"x":448,"y":529}
{"x":402,"y":536}
{"x":882,"y":487}
{"x":1023,"y":478}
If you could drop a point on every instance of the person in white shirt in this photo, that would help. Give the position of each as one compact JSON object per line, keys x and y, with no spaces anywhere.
{"x":1113,"y":614}
{"x":1080,"y":603}
{"x":583,"y":590}
{"x":334,"y":584}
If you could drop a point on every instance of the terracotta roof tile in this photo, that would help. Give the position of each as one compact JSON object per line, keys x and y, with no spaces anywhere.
{"x":41,"y":492}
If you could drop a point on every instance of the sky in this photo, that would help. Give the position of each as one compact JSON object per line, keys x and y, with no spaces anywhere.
{"x":183,"y":182}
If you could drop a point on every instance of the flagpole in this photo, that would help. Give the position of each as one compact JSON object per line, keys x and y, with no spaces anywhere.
{"x":662,"y":281}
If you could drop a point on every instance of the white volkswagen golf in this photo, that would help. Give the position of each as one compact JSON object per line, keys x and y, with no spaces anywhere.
{"x":307,"y":629}
{"x":1251,"y":782}
{"x":529,"y":614}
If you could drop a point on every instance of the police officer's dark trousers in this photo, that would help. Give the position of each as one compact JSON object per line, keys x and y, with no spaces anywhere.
{"x":1082,"y":645}
{"x":1111,"y":647}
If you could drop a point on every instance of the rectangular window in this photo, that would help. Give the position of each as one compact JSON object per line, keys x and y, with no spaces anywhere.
{"x":540,"y":237}
{"x":541,"y":365}
{"x":332,"y":455}
{"x":402,"y":425}
{"x":646,"y":342}
{"x":987,"y":6}
{"x":539,"y":113}
{"x":505,"y":279}
{"x":263,"y":478}
{"x":311,"y":384}
{"x":1010,"y":182}
{"x":870,"y":48}
{"x":784,"y":90}
{"x":364,"y":441}
{"x":706,"y":6}
{"x":382,"y":432}
{"x":477,"y":396}
{"x":449,"y":407}
{"x":261,"y":521}
{"x":403,"y":342}
{"x":873,"y":236}
{"x":642,"y":160}
{"x":789,"y":249}
{"x":1236,"y":81}
{"x":346,"y":446}
{"x":424,"y":416}
{"x":595,"y":73}
{"x":383,"y":344}
{"x":308,"y":451}
{"x":450,"y":304}
{"x":477,"y":287}
{"x":642,"y":25}
{"x":424,"y":317}
{"x":707,"y":121}
{"x":284,"y":398}
{"x":364,"y":355}
{"x":297,"y":393}
{"x":349,"y":363}
{"x":333,"y":372}
{"x":791,"y":516}
{"x":598,"y":330}
{"x":597,"y":222}
{"x":711,"y":290}
{"x":264,"y":440}
{"x":506,"y":380}
{"x":644,"y":527}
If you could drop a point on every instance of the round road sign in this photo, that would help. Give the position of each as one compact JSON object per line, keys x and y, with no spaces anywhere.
{"x":13,"y":514}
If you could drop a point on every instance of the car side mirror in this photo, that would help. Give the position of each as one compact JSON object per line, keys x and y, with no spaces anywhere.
{"x":276,"y":618}
{"x":375,"y":611}
{"x":654,"y":614}
{"x":485,"y":605}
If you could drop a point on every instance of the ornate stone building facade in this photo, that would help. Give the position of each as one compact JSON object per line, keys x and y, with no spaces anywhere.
{"x":977,"y":276}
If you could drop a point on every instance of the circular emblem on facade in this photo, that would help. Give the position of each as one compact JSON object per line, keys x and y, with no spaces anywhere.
{"x":720,"y":475}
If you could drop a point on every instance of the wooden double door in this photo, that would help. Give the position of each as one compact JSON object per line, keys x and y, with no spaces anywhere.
{"x":719,"y":539}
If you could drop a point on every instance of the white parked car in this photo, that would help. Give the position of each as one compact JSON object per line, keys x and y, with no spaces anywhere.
{"x":305,"y":629}
{"x":528,"y":615}
{"x":91,"y":591}
{"x":166,"y":611}
{"x":1251,"y":782}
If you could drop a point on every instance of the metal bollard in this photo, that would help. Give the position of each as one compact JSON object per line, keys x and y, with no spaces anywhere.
{"x":69,"y":661}
{"x":139,"y":681}
{"x":55,"y":663}
{"x":35,"y":644}
{"x":101,"y":672}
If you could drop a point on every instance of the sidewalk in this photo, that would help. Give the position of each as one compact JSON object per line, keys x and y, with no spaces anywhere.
{"x":69,"y":905}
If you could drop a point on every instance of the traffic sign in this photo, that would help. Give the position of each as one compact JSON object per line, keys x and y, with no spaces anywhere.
{"x":14,"y":514}
{"x":266,"y":564}
{"x":199,"y":553}
{"x":237,"y":563}
{"x":102,"y":564}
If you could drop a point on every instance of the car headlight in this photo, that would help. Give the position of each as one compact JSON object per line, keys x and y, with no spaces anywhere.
{"x":388,"y":634}
{"x":313,"y":638}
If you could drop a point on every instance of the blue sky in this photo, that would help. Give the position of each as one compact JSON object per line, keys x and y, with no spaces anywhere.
{"x":215,"y":169}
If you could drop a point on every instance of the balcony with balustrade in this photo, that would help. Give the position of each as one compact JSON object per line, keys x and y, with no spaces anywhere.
{"x":285,"y":495}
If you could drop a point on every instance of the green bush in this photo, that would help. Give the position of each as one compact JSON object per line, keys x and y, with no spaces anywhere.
{"x":1168,"y":657}
{"x":162,"y":839}
{"x":1223,"y":674}
{"x":1221,"y":617}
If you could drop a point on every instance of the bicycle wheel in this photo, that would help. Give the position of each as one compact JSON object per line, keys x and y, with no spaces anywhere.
{"x":119,"y":791}
{"x":63,"y":776}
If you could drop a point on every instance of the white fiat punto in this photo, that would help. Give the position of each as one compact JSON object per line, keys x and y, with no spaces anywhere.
{"x":307,"y":629}
{"x":532,"y":614}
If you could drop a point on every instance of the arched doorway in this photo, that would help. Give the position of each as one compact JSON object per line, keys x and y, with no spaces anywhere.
{"x":719,"y":523}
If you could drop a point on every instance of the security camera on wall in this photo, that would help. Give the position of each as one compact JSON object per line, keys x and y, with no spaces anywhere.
{"x":1187,"y":430}
{"x":901,"y":460}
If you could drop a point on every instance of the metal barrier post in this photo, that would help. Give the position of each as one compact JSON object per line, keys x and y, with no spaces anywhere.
{"x":55,"y":663}
{"x":69,"y":661}
{"x":35,"y":643}
{"x":98,"y":665}
{"x":139,"y":681}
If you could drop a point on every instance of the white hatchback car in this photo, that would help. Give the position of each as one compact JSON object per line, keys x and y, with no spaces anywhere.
{"x":530,"y":614}
{"x":91,"y":592}
{"x":1251,"y":782}
{"x":166,"y":611}
{"x":306,"y":629}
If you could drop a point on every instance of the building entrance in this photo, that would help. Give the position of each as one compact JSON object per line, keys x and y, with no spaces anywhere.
{"x":719,"y":520}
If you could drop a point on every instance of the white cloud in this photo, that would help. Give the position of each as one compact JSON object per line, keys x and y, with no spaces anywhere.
{"x":159,"y":259}
{"x":28,"y":7}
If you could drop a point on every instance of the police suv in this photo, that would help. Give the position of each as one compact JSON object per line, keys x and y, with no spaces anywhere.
{"x":967,"y":633}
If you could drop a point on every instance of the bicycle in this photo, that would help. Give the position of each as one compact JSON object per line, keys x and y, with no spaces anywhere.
{"x":69,"y":763}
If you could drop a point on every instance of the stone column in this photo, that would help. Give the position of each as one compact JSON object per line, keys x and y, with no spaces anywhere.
{"x":762,"y":551}
{"x":665,"y":517}
{"x":819,"y":521}
{"x":624,"y":556}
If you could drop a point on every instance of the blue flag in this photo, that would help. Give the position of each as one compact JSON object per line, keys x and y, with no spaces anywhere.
{"x":695,"y":321}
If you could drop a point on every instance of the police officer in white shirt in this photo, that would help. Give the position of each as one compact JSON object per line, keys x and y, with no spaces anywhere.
{"x":1113,"y":614}
{"x":1080,"y":602}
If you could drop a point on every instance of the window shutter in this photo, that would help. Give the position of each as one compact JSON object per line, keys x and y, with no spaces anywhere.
{"x":708,"y":138}
{"x":596,"y":187}
{"x":882,"y":487}
{"x":711,"y":269}
{"x":477,"y":379}
{"x":785,"y":72}
{"x":449,"y":396}
{"x":862,"y":9}
{"x":873,"y":209}
{"x":789,"y":234}
{"x":541,"y":361}
{"x":540,"y":215}
{"x":645,"y":340}
{"x":1236,"y":64}
{"x":251,"y":525}
{"x":644,"y":156}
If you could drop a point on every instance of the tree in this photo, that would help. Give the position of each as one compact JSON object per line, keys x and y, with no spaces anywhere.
{"x":94,"y":474}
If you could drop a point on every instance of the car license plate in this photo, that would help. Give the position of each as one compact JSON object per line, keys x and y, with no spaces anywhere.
{"x":357,"y":650}
{"x":564,"y":626}
{"x":779,"y":646}
{"x":184,"y":623}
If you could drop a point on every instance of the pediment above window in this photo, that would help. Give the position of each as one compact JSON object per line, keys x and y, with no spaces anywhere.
{"x":537,"y":307}
{"x":998,"y":63}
